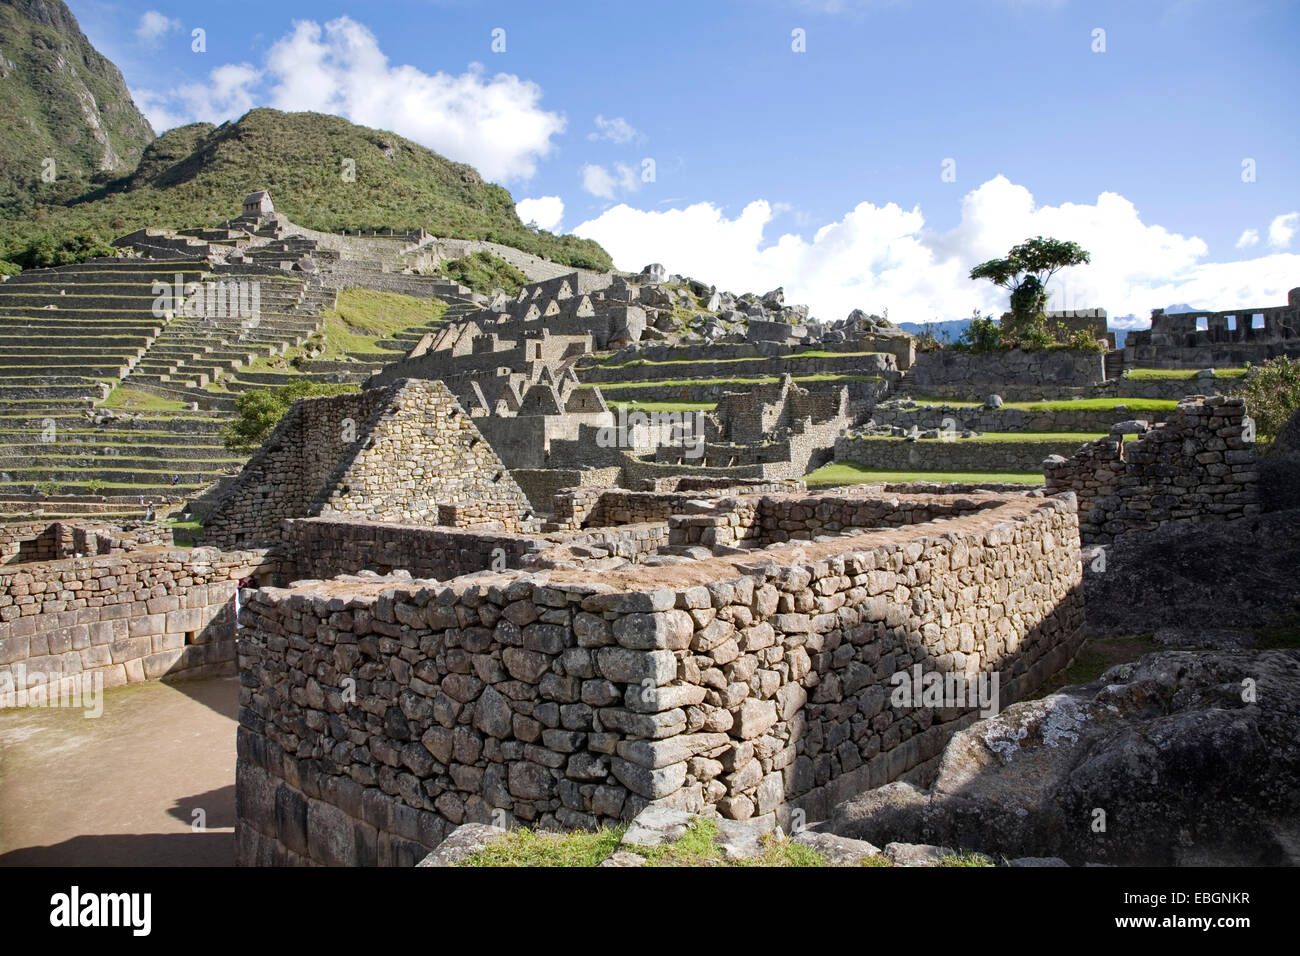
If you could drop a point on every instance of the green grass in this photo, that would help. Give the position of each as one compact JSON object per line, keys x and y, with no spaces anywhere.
{"x":965,"y":858}
{"x":133,"y":399}
{"x":1181,"y":374}
{"x":698,"y":846}
{"x":850,"y":473}
{"x":483,"y":272}
{"x":523,"y":847}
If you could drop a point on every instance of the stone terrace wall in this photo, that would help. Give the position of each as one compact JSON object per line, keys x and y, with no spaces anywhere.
{"x":980,"y":419}
{"x":564,"y":702}
{"x":885,"y":453}
{"x":1195,"y":467}
{"x":127,"y":617}
{"x":952,"y":374}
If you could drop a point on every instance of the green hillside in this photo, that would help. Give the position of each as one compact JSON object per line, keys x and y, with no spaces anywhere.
{"x":197,"y":175}
{"x":60,"y":100}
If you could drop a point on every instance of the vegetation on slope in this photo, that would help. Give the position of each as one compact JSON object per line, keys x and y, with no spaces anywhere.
{"x":57,"y":144}
{"x":197,"y":176}
{"x":258,"y":411}
{"x":483,"y":272}
{"x":1272,"y":395}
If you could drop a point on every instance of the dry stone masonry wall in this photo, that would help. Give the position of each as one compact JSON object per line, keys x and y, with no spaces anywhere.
{"x":125,"y":617}
{"x":376,"y":715}
{"x":1198,"y":466}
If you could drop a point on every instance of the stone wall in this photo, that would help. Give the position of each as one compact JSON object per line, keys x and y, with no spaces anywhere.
{"x":884,"y":453}
{"x":1041,"y":374}
{"x":1198,"y":466}
{"x":45,"y":540}
{"x":326,"y":547}
{"x":541,"y":485}
{"x":125,"y":617}
{"x":1006,"y":419}
{"x":376,"y":715}
{"x":758,"y":522}
{"x":387,"y":454}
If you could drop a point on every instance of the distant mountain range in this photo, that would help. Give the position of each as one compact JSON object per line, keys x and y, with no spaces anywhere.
{"x":951,"y":330}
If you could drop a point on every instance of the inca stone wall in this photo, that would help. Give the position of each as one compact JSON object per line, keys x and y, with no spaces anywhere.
{"x":1198,"y":466}
{"x":326,"y":547}
{"x":126,"y":617}
{"x":376,"y":715}
{"x":387,"y":454}
{"x":1015,"y":375}
{"x":1006,"y":419}
{"x":885,"y":453}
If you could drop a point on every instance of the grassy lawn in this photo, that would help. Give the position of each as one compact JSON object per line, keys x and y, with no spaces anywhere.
{"x":850,"y":473}
{"x":133,"y":399}
{"x":1181,"y":374}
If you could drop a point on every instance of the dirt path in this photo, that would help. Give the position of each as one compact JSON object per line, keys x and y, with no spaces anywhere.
{"x":121,"y":789}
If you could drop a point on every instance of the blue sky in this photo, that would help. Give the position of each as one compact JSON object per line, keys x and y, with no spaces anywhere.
{"x":822,"y":170}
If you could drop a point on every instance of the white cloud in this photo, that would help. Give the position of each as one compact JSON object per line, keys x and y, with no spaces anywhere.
{"x":226,"y":95}
{"x":616,"y":130}
{"x":597,"y":181}
{"x":1282,"y":229}
{"x":154,"y":26}
{"x":496,"y":123}
{"x":1249,"y":237}
{"x":546,"y":211}
{"x":156,"y":111}
{"x":600,"y":182}
{"x":878,"y":257}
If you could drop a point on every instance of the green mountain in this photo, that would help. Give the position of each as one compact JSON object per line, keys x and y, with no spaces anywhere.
{"x":60,"y":100}
{"x":197,"y":175}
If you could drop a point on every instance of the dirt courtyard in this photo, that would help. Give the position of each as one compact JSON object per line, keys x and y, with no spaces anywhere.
{"x":124,"y":788}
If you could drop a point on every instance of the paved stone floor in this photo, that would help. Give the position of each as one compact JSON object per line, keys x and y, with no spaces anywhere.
{"x":122,"y":789}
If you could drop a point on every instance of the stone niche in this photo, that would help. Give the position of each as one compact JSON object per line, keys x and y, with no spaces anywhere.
{"x":379,"y":713}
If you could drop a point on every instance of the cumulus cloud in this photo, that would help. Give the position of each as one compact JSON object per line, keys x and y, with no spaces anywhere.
{"x":616,"y":130}
{"x":1282,"y":229}
{"x":154,"y":26}
{"x":545,"y":211}
{"x":494,"y":123}
{"x":227,"y":94}
{"x":1249,"y":237}
{"x":156,"y":110}
{"x":884,"y":256}
{"x":602,"y":183}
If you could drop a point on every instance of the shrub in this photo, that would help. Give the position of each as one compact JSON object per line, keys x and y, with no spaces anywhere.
{"x":483,"y":272}
{"x":984,"y":334}
{"x":1272,"y":394}
{"x":257,"y":412}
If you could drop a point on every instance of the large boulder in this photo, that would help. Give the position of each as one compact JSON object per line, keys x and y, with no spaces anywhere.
{"x":1180,"y":758}
{"x":1234,"y":574}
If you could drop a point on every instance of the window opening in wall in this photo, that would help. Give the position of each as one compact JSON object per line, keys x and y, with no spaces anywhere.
{"x":1257,"y":321}
{"x":1232,"y":323}
{"x":1203,"y":324}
